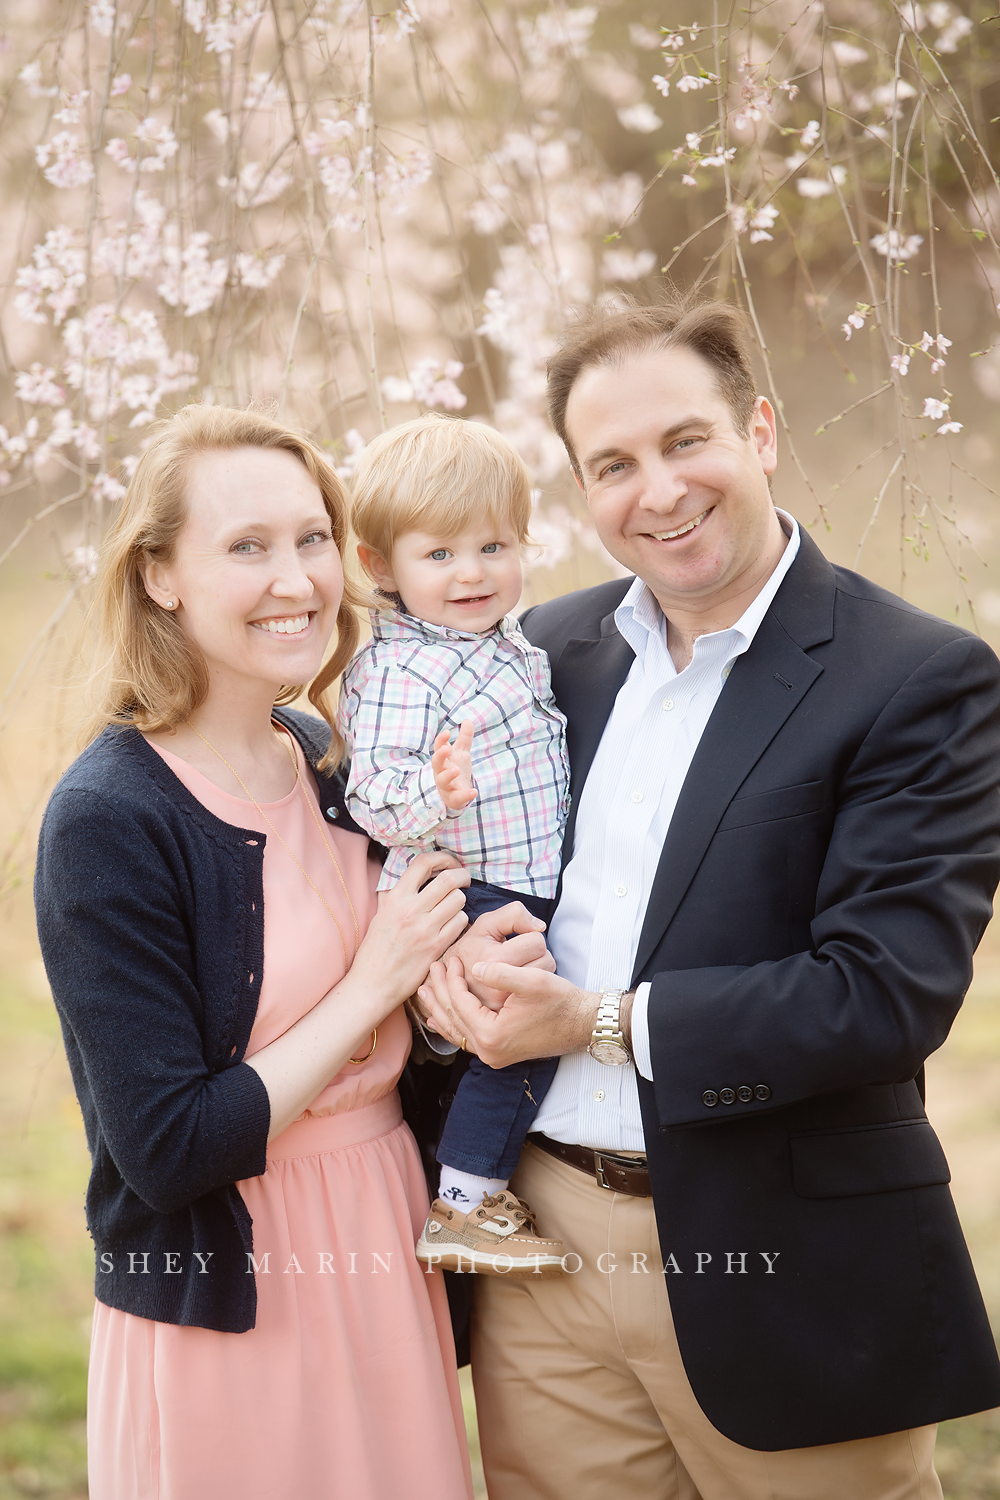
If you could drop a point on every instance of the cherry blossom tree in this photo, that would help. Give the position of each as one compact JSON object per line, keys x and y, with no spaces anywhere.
{"x":358,"y":214}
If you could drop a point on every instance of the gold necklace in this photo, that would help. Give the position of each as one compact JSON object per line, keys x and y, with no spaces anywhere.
{"x":304,"y":873}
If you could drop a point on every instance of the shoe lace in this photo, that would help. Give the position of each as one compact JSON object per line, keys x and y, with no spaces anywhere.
{"x":517,"y":1210}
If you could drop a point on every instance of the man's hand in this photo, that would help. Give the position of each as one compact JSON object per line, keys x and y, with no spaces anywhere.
{"x":452,"y":767}
{"x":542,"y":1016}
{"x":486,"y":942}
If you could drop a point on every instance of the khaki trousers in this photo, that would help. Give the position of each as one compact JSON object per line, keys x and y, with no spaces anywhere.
{"x":582,"y":1395}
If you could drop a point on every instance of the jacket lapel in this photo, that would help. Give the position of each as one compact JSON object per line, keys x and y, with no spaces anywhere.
{"x":765,"y":686}
{"x":586,"y":680}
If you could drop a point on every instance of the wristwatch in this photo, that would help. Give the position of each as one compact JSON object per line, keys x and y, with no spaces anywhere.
{"x":607,"y":1044}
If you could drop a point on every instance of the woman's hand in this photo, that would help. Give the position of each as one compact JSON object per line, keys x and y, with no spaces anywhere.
{"x":413,"y":927}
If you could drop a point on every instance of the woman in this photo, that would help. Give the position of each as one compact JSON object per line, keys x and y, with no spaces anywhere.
{"x":230,"y":997}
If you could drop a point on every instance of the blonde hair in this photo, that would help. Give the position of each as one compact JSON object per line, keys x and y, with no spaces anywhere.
{"x":437,"y":474}
{"x":151,"y":674}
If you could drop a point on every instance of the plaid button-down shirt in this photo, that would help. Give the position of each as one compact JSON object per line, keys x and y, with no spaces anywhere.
{"x":413,"y":679}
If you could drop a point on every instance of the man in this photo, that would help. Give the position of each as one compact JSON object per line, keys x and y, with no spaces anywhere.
{"x":783,"y":849}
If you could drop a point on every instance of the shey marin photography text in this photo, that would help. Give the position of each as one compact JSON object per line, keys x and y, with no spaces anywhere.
{"x":321,"y":1262}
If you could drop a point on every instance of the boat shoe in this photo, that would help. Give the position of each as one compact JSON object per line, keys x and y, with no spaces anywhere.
{"x":498,"y":1238}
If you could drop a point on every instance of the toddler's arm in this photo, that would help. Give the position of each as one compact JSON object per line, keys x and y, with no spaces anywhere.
{"x":390,"y":719}
{"x":452,"y":767}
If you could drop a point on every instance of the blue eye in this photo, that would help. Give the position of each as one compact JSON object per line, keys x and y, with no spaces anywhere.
{"x":439,"y":555}
{"x":491,"y":547}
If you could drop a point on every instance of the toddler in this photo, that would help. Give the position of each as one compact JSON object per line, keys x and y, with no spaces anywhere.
{"x":441,"y":508}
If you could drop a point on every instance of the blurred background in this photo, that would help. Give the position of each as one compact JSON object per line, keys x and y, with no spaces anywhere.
{"x":353,"y":215}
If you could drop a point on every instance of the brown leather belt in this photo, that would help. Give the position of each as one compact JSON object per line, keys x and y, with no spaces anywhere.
{"x":619,"y":1174}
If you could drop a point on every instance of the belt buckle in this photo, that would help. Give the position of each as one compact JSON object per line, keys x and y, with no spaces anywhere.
{"x":599,"y":1169}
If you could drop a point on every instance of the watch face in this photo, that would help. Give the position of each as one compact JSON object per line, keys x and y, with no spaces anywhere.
{"x":611,"y":1053}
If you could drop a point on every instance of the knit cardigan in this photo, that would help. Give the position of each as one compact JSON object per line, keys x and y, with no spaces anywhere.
{"x":151,"y":919}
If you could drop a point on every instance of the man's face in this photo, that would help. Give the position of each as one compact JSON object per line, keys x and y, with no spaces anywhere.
{"x":678,"y":495}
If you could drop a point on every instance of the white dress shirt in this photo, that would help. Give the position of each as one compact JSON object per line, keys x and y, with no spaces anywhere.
{"x":625,"y":810}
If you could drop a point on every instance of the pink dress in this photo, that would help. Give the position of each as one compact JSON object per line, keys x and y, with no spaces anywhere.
{"x":346,"y":1388}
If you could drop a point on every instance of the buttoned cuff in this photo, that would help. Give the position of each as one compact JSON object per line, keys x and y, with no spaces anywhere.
{"x":640,"y":1032}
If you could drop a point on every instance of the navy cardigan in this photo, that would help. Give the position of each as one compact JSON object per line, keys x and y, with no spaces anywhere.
{"x":151,"y":919}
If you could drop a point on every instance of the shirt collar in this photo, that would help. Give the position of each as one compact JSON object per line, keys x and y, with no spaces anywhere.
{"x":639,"y":613}
{"x":398,"y":625}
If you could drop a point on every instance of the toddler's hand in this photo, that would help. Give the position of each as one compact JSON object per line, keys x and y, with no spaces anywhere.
{"x":452,"y":767}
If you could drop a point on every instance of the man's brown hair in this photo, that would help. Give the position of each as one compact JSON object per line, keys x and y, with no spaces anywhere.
{"x":610,"y":335}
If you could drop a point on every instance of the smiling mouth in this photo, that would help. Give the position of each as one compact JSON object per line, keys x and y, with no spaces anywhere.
{"x":473,"y":599}
{"x":289,"y":625}
{"x":669,"y":536}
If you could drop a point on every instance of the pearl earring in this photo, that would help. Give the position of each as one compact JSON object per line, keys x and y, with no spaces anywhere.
{"x":171,"y":603}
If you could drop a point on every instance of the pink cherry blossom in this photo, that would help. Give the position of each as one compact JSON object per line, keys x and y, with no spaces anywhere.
{"x":38,"y":387}
{"x":624,"y":265}
{"x":433,"y":383}
{"x":65,"y":162}
{"x":407,"y":19}
{"x":641,"y":118}
{"x":896,"y":247}
{"x":191,"y":278}
{"x":256,"y":272}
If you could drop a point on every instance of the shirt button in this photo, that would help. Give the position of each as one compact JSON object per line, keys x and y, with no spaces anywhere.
{"x":598,"y":1095}
{"x":725,"y":672}
{"x":621,"y":890}
{"x":668,"y":704}
{"x":636,"y":796}
{"x":333,"y":813}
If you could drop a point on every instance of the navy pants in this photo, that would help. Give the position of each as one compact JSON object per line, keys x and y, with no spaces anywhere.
{"x":494,"y":1108}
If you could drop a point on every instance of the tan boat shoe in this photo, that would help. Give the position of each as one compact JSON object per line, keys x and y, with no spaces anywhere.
{"x":496,"y":1239}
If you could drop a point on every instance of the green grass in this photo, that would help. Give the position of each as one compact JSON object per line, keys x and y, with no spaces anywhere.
{"x":968,"y":1457}
{"x":43,"y":1367}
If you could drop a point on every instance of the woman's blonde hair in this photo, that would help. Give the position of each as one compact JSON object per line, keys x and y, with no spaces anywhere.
{"x":437,"y":474}
{"x":151,"y":674}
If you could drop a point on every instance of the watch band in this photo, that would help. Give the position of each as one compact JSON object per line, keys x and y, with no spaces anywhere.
{"x":607,"y":1033}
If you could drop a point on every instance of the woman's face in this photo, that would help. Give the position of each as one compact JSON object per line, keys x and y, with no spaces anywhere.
{"x":256,"y":574}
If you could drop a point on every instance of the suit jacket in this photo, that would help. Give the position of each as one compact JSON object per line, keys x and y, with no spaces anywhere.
{"x":809,"y":934}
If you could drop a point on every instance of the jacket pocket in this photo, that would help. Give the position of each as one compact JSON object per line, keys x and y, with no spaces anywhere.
{"x":767,"y":807}
{"x":867,"y":1159}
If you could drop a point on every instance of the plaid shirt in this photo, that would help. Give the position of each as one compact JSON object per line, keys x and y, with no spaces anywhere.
{"x":413,"y":679}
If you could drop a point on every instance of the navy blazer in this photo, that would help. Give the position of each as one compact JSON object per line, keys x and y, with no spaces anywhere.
{"x":825,"y":879}
{"x":151,"y":919}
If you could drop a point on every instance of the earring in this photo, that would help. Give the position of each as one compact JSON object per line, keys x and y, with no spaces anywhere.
{"x":171,"y":603}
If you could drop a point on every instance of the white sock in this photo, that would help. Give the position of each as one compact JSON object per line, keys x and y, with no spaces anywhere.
{"x":465,"y":1191}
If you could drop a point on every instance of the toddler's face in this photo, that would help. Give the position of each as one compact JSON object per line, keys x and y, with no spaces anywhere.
{"x":468,"y":582}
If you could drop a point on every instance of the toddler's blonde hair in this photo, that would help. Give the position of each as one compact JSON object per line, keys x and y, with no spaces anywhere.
{"x":440,"y":475}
